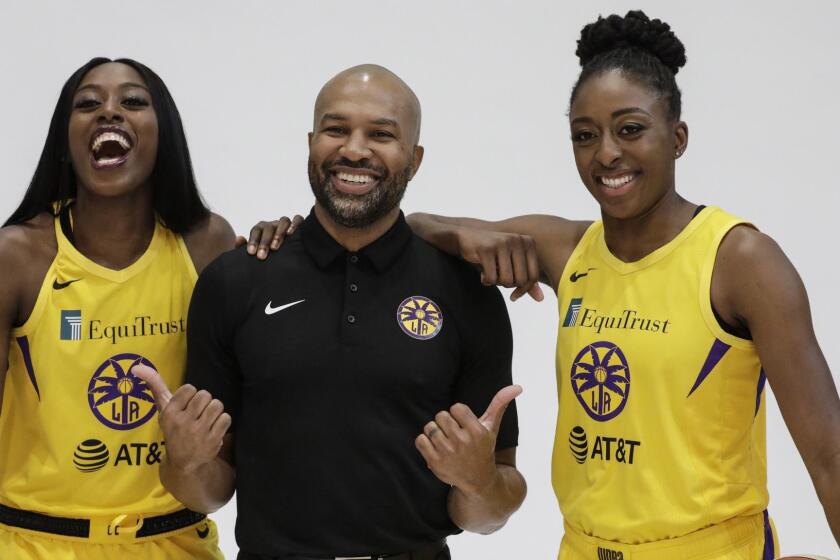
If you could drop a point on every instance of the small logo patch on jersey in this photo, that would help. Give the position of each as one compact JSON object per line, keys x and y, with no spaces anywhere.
{"x":61,"y":285}
{"x":117,"y":398}
{"x":600,"y":378}
{"x":578,"y":275}
{"x":419,"y":317}
{"x":607,"y":554}
{"x":91,"y":455}
{"x":578,"y":444}
{"x":203,"y":531}
{"x":71,"y":324}
{"x":572,"y":312}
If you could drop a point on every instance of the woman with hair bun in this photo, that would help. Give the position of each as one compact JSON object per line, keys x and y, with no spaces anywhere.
{"x":672,"y":317}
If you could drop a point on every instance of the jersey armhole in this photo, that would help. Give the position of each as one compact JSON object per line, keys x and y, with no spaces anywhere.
{"x":43,"y":292}
{"x":188,"y":262}
{"x":705,"y":294}
{"x":585,"y":239}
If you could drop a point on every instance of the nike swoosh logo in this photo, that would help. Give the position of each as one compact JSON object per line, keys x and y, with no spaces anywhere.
{"x":202,"y":533}
{"x":578,"y":275}
{"x":61,"y":285}
{"x":272,"y":310}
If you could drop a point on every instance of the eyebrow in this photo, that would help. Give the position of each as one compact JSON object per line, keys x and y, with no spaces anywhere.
{"x":124,"y":85}
{"x":386,"y":122}
{"x":620,"y":112}
{"x":380,"y":121}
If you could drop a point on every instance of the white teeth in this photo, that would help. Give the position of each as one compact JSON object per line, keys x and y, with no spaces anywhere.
{"x":354,"y":178}
{"x":110,"y":137}
{"x":108,"y":161}
{"x":616,"y":182}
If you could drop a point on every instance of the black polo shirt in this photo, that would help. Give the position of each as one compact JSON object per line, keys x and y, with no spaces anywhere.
{"x":331,"y":363}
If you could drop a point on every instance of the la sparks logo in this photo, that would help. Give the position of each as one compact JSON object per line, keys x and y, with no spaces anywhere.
{"x":117,"y":398}
{"x":601,"y":380}
{"x":419,"y":317}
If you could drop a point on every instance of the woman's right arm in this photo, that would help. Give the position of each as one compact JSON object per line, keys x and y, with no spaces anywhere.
{"x":516,"y":252}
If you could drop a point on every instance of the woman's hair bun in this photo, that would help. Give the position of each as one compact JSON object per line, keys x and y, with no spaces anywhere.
{"x":633,"y":31}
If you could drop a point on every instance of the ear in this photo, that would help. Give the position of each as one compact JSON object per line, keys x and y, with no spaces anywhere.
{"x":680,"y":139}
{"x":309,"y":138}
{"x":418,"y":159}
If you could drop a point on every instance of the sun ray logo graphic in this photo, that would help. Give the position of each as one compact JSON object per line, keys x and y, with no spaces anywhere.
{"x":419,"y":317}
{"x":601,"y":380}
{"x":117,"y":398}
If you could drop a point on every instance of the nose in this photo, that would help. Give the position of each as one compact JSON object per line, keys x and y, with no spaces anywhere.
{"x":609,"y":151}
{"x":111,"y":111}
{"x":356,"y":147}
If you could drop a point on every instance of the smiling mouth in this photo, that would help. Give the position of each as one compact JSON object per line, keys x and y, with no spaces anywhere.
{"x":109,"y":148}
{"x":358,"y":179}
{"x":617,"y":181}
{"x":353,"y":182}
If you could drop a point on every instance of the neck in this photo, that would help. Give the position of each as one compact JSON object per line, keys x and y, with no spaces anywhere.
{"x":631,"y":239}
{"x":354,"y":239}
{"x":113,"y":232}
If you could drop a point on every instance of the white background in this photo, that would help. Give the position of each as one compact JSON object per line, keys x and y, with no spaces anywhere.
{"x":760,"y":98}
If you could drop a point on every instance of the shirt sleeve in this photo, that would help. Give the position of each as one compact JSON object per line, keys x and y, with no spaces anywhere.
{"x":486,"y":356}
{"x":211,"y":358}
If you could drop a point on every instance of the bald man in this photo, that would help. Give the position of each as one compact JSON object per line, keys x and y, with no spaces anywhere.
{"x":355,"y":389}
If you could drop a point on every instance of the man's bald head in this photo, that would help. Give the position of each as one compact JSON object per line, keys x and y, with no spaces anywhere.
{"x":373,"y":83}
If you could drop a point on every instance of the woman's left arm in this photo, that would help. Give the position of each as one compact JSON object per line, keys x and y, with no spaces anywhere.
{"x":756,"y":286}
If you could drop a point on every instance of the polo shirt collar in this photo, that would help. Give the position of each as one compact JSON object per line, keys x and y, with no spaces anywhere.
{"x":382,"y":253}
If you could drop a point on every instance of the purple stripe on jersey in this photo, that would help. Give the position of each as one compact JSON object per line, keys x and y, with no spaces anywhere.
{"x":715,"y":354}
{"x":762,"y":378}
{"x":769,"y":545}
{"x":23,"y":342}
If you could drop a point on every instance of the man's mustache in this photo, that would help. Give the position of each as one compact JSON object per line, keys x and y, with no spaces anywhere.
{"x":360,"y":164}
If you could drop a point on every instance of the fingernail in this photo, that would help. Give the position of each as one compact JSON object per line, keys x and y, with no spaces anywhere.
{"x":251,"y":249}
{"x":261,"y":254}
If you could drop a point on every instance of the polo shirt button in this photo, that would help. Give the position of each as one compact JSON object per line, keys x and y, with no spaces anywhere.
{"x":354,"y":288}
{"x":351,"y":319}
{"x":354,"y":259}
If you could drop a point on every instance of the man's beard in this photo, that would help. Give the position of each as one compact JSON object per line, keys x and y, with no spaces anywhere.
{"x":356,"y":211}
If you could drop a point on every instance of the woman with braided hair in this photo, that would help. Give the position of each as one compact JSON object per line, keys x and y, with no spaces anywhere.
{"x":672,"y":317}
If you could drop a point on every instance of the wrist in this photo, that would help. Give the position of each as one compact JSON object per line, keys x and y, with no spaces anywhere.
{"x":180,"y":470}
{"x":482,"y":487}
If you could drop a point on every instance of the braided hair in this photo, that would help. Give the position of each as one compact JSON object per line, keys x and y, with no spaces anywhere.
{"x":640,"y":48}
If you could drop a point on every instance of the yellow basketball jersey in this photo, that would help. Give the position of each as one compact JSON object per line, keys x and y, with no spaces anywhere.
{"x":78,"y":433}
{"x":660,"y":429}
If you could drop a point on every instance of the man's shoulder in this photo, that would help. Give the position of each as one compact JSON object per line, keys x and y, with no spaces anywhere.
{"x":237,"y":265}
{"x":459,"y":275}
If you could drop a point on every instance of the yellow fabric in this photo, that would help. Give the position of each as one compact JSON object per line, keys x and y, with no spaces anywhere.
{"x":742,"y":538}
{"x":185,"y":544}
{"x":68,"y":448}
{"x":646,"y":448}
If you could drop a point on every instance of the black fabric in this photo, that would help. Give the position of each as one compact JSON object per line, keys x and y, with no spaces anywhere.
{"x":69,"y":527}
{"x":432,"y":551}
{"x":328,"y":395}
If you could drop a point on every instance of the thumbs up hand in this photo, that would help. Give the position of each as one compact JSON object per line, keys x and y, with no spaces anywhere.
{"x":193,"y":422}
{"x":460,"y":448}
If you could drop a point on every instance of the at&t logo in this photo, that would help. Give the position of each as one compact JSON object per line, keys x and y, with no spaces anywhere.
{"x":604,"y":448}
